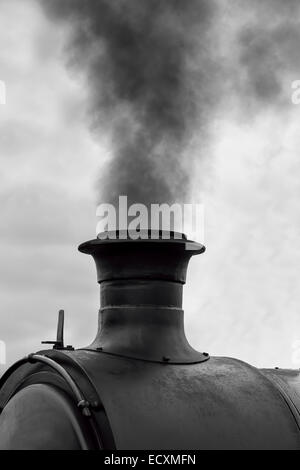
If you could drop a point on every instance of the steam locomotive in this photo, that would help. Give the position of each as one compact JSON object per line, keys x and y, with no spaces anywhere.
{"x":140,"y":385}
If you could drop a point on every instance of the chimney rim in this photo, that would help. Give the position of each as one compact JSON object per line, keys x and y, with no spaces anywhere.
{"x":189,"y":246}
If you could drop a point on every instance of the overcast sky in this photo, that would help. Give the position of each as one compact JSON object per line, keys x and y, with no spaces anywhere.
{"x":242,"y":296}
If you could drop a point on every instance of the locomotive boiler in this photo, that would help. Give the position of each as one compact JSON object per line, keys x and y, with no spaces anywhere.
{"x":140,"y":384}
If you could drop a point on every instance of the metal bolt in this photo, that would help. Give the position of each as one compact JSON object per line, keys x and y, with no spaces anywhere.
{"x":84,"y":406}
{"x":31,"y":358}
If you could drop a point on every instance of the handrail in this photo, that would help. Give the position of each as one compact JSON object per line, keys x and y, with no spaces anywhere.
{"x":83,"y":404}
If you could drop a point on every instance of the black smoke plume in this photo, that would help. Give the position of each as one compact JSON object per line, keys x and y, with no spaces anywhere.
{"x":141,"y":59}
{"x":266,"y":54}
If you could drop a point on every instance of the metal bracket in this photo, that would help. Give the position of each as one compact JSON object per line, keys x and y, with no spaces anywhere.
{"x":59,"y":343}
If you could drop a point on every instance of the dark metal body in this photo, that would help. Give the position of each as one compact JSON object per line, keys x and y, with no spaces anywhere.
{"x":144,"y":386}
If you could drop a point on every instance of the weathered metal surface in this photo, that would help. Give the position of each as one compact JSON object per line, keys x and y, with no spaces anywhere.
{"x":74,"y":382}
{"x":141,"y":284}
{"x":147,"y":333}
{"x":82,"y":403}
{"x":40,"y":417}
{"x":219,"y":404}
{"x":147,"y":387}
{"x":287,"y":381}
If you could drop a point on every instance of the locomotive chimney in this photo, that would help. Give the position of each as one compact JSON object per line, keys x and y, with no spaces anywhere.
{"x":141,"y":283}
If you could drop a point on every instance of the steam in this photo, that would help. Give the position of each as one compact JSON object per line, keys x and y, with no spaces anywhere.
{"x":263,"y":54}
{"x":160,"y":71}
{"x":148,"y":65}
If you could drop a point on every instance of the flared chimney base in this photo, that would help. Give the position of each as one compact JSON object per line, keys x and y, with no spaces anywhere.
{"x":141,"y":283}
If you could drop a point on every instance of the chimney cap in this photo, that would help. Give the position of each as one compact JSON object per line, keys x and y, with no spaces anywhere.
{"x":194,"y":248}
{"x":118,"y":259}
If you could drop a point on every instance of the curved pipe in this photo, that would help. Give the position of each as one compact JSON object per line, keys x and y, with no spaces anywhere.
{"x":81,"y":402}
{"x":32,"y":358}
